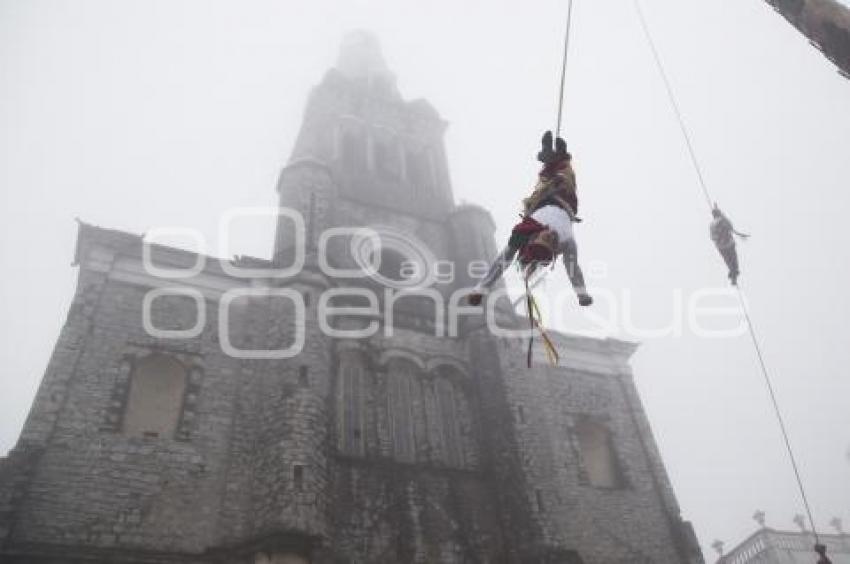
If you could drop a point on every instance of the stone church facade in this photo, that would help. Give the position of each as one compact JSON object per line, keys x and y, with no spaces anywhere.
{"x":183,"y":444}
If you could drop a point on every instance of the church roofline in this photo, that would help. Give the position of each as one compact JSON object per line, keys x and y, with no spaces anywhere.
{"x":88,"y":234}
{"x":128,"y":243}
{"x":474,"y":208}
{"x":619,"y":348}
{"x":307,"y":161}
{"x":625,"y":349}
{"x":99,"y":249}
{"x":132,"y":245}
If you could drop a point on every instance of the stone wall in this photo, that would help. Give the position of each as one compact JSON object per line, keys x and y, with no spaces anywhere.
{"x":254,"y":470}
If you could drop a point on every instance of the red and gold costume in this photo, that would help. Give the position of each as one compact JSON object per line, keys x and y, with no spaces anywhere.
{"x":546,"y":227}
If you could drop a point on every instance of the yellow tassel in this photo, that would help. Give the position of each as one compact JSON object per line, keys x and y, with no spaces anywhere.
{"x":537,"y":321}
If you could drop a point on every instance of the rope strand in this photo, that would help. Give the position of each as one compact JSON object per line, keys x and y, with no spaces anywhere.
{"x":564,"y":67}
{"x":672,"y":97}
{"x":778,"y":412}
{"x":710,"y":202}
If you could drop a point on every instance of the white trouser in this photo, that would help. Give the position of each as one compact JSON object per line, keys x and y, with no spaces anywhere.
{"x":560,"y":221}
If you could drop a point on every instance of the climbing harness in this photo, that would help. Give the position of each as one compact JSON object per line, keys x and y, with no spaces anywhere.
{"x":820,"y":549}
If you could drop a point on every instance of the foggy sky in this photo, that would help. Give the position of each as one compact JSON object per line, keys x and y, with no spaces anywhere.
{"x":134,"y":115}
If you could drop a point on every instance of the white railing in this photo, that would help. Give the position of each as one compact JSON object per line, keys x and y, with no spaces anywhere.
{"x":753,"y":549}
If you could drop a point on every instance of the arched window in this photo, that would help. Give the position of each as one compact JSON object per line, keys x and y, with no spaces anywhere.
{"x":393,"y":265}
{"x":401,"y":389}
{"x":353,"y":147}
{"x":157,"y":388}
{"x":448,"y":422}
{"x":597,"y":454}
{"x":351,"y":427}
{"x":386,"y":158}
{"x":419,"y":166}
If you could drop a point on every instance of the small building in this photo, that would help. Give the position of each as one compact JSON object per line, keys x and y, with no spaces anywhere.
{"x":768,"y":546}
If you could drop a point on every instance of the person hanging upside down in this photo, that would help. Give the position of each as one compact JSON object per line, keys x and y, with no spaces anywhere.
{"x":721,"y":233}
{"x":546,"y":228}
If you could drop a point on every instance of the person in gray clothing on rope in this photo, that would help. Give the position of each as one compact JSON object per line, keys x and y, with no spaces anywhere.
{"x":722,"y":232}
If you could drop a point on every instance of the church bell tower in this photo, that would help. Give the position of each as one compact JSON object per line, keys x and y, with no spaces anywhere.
{"x":365,"y":156}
